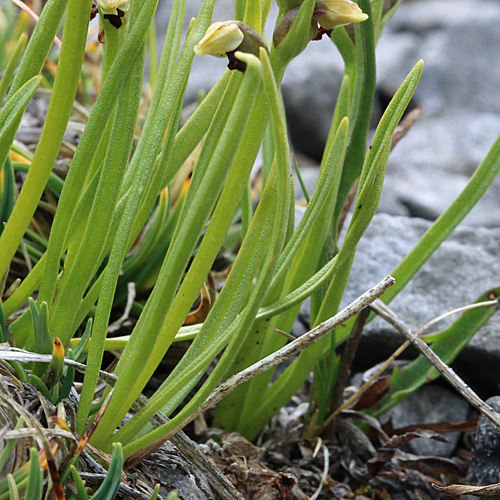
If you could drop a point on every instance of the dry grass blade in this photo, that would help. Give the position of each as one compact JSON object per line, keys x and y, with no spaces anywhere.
{"x":88,"y":433}
{"x":367,"y":385}
{"x":200,"y":314}
{"x":274,"y":359}
{"x":448,"y":374}
{"x":291,"y":349}
{"x":8,"y":353}
{"x":464,"y":489}
{"x":28,"y":11}
{"x":405,"y":125}
{"x":324,"y":475}
{"x":116,"y":325}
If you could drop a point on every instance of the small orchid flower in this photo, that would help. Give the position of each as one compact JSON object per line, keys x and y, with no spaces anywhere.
{"x":223,"y":39}
{"x":331,"y":14}
{"x":110,"y":7}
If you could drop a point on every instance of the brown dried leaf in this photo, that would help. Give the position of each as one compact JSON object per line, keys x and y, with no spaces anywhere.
{"x":200,"y":314}
{"x":465,"y":426}
{"x":464,"y":489}
{"x":387,"y":452}
{"x":240,"y":462}
{"x":405,"y":125}
{"x":378,"y":390}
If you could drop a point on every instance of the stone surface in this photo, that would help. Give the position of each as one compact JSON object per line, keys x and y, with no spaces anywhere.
{"x":485,"y":464}
{"x":431,"y":404}
{"x":458,"y":41}
{"x":310,"y":88}
{"x":464,"y":267}
{"x":433,"y":163}
{"x":207,"y":70}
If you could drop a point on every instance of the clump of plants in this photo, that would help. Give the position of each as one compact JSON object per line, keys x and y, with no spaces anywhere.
{"x":158,"y":235}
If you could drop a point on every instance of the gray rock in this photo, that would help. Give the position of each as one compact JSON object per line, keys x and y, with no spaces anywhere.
{"x":309,"y":172}
{"x":427,"y":16}
{"x":310,"y":88}
{"x":430,"y":167}
{"x":433,"y":163}
{"x":173,"y":471}
{"x":431,"y":404}
{"x":485,"y":463}
{"x":464,"y":267}
{"x":458,"y":42}
{"x":207,"y":70}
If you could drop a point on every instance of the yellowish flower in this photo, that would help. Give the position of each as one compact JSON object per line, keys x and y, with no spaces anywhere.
{"x":331,"y":14}
{"x":111,"y":6}
{"x":220,"y":38}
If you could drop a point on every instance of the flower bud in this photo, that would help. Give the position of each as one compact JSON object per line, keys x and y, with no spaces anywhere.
{"x":219,"y":39}
{"x":331,"y":14}
{"x":225,"y":38}
{"x":285,"y":24}
{"x":111,"y":6}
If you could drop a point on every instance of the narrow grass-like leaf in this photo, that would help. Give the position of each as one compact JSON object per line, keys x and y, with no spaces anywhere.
{"x":225,"y":310}
{"x":296,"y":374}
{"x":154,"y":495}
{"x":9,"y":445}
{"x":34,"y":489}
{"x":12,"y":64}
{"x":3,"y":325}
{"x":88,"y":251}
{"x":84,"y":340}
{"x":42,"y":343}
{"x":79,"y":483}
{"x":11,"y":113}
{"x":231,"y":299}
{"x":448,"y":221}
{"x":98,"y":120}
{"x":111,"y":483}
{"x":361,"y":105}
{"x":39,"y":384}
{"x":13,"y":491}
{"x":39,"y":44}
{"x":155,"y":331}
{"x":304,"y":248}
{"x":60,"y":106}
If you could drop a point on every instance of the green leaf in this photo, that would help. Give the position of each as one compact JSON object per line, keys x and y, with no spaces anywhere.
{"x":40,"y":43}
{"x":11,"y":113}
{"x":478,"y":184}
{"x":157,"y":490}
{"x":79,"y":483}
{"x":14,"y":59}
{"x":83,"y":341}
{"x":39,"y":384}
{"x":3,"y":325}
{"x":8,"y":194}
{"x":9,"y":445}
{"x":42,"y":338}
{"x":13,"y":491}
{"x":34,"y":489}
{"x":111,"y":483}
{"x":361,"y":106}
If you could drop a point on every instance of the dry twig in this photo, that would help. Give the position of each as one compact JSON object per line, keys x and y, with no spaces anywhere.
{"x":451,"y":377}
